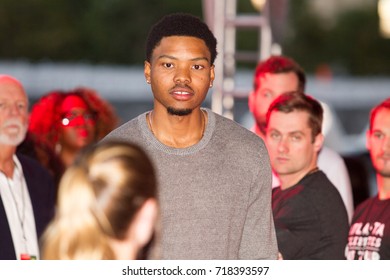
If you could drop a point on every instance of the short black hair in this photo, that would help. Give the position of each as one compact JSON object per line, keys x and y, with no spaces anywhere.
{"x":180,"y":24}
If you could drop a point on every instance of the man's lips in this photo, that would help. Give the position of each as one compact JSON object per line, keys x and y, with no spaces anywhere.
{"x":12,"y":128}
{"x":181,"y":93}
{"x":282,"y":159}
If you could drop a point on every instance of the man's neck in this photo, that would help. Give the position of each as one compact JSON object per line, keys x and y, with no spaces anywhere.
{"x":178,"y":131}
{"x":290,"y":180}
{"x":383,"y":187}
{"x":287,"y":181}
{"x":7,"y":164}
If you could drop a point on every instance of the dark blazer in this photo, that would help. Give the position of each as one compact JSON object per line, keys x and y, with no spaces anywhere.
{"x":42,"y":193}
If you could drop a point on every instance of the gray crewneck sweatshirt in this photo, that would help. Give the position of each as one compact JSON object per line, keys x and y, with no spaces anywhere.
{"x":215,"y":196}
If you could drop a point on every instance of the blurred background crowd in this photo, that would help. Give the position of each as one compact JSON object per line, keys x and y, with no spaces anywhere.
{"x":343,"y":45}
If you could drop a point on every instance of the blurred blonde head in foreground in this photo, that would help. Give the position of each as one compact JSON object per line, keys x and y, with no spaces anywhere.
{"x":107,"y":205}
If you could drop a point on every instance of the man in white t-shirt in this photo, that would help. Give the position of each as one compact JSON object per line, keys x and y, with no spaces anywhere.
{"x":27,"y":190}
{"x":278,"y":75}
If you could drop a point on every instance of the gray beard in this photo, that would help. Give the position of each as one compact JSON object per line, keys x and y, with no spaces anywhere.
{"x":14,"y":140}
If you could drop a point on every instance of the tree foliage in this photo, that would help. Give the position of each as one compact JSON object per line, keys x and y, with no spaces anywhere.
{"x":352,"y":45}
{"x":95,"y":31}
{"x":114,"y":32}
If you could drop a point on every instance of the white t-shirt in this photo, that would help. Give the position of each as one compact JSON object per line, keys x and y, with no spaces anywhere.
{"x":19,"y":211}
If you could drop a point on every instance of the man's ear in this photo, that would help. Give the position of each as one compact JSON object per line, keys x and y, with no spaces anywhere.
{"x":212,"y":74}
{"x":318,"y":142}
{"x":147,"y":71}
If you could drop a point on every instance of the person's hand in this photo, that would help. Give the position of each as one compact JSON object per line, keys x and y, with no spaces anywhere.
{"x":280,"y":257}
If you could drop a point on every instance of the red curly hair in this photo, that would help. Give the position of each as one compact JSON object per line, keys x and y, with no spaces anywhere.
{"x":45,"y":117}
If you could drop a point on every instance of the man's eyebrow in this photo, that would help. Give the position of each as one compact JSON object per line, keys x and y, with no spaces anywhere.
{"x":175,"y":58}
{"x":274,"y":129}
{"x":166,"y":56}
{"x":296,"y":132}
{"x":200,"y":58}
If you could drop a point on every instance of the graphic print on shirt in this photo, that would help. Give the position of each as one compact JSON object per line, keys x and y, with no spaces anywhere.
{"x":364,"y":241}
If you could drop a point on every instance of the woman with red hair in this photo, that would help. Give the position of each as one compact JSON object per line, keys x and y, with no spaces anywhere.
{"x":64,"y":122}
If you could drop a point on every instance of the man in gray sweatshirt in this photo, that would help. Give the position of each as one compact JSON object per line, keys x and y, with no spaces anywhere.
{"x":214,"y":175}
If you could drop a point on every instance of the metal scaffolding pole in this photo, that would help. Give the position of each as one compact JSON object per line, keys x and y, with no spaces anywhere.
{"x":224,"y":21}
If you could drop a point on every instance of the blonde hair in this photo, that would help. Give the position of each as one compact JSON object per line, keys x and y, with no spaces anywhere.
{"x":98,"y":198}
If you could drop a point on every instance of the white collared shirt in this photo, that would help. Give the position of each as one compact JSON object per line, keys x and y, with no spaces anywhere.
{"x":19,"y":211}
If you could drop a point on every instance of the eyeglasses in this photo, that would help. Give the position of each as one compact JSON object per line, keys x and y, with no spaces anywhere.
{"x":74,"y":118}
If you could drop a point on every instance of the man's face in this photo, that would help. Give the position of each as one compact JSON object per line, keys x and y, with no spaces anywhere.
{"x":378,"y":142}
{"x":13,"y":112}
{"x":180,"y":74}
{"x":268,"y":88}
{"x":290,"y":143}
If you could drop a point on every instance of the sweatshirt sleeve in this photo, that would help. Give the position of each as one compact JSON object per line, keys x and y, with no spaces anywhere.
{"x":259,"y":238}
